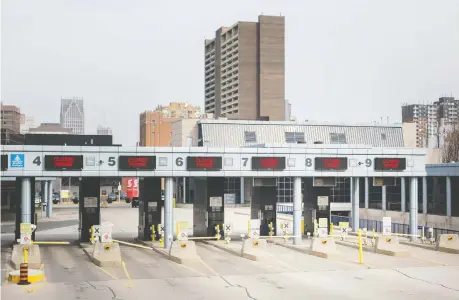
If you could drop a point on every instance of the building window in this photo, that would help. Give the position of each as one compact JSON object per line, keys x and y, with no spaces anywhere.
{"x":233,"y":186}
{"x":284,"y":189}
{"x":337,"y":138}
{"x":250,"y":136}
{"x":294,"y":137}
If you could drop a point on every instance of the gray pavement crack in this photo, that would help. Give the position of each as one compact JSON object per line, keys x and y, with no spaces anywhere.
{"x":426,"y":281}
{"x":239,"y":286}
{"x":109,"y":288}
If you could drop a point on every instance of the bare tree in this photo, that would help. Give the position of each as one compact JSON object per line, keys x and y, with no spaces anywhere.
{"x":451,"y":146}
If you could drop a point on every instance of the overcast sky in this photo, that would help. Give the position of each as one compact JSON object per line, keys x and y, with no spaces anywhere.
{"x":346,"y":61}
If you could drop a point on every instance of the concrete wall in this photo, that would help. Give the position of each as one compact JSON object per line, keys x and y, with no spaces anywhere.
{"x":404,"y":218}
{"x":409,"y":135}
{"x":182,"y":129}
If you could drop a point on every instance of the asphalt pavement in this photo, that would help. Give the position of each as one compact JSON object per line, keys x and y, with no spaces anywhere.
{"x":221,"y":275}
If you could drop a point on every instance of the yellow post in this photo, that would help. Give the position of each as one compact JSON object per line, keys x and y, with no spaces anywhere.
{"x":217,"y":232}
{"x":360,"y":246}
{"x":271,"y":229}
{"x":248,"y":228}
{"x":153,"y":236}
{"x":91,"y":230}
{"x":373,"y":238}
{"x":332,"y":229}
{"x":26,"y":255}
{"x":161,"y":237}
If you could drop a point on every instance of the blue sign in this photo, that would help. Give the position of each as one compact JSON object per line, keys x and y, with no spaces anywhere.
{"x":17,"y":160}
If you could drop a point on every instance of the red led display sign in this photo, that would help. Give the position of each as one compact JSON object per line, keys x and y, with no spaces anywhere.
{"x":204,"y":163}
{"x":63,"y":162}
{"x":140,"y":163}
{"x":268,"y":163}
{"x":330,"y":163}
{"x":390,"y":164}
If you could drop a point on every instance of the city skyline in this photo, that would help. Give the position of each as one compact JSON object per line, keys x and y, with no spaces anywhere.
{"x":336,"y":69}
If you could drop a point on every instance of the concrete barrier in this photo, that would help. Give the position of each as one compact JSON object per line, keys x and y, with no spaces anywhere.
{"x":323,"y":247}
{"x":389,"y":245}
{"x":34,"y":256}
{"x":448,"y":243}
{"x":253,"y":249}
{"x":106,"y":254}
{"x":183,"y":251}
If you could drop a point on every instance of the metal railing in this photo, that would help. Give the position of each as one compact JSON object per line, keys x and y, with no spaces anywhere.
{"x":396,"y":227}
{"x":287,"y":208}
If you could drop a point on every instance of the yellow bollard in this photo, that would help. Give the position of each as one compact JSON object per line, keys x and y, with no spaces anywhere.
{"x":153,"y":236}
{"x":271,"y":232}
{"x":161,"y":237}
{"x":26,"y":255}
{"x":373,"y":238}
{"x":332,"y":229}
{"x":248,"y":228}
{"x":359,"y":236}
{"x":217,"y":232}
{"x":91,"y":231}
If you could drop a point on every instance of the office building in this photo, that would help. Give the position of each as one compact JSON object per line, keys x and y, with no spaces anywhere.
{"x":245,"y":70}
{"x":11,"y":118}
{"x":104,"y":130}
{"x":433,"y":121}
{"x":155,"y":126}
{"x":26,"y":123}
{"x":72,"y":114}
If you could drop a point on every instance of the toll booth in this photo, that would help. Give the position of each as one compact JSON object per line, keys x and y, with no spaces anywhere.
{"x":89,"y":206}
{"x":150,"y":207}
{"x":18,"y":202}
{"x":264,"y":203}
{"x":316,"y":204}
{"x":208,"y":206}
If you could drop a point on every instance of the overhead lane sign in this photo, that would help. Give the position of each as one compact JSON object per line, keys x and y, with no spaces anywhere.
{"x":268,"y":163}
{"x":63,"y":162}
{"x":17,"y":160}
{"x":140,"y":163}
{"x":204,"y":163}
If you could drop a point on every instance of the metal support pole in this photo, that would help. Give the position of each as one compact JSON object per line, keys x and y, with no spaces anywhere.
{"x":448,"y":196}
{"x":413,"y":207}
{"x":297,"y":210}
{"x":355,"y":193}
{"x":367,"y":193}
{"x":184,"y":192}
{"x":424,"y":195}
{"x":49,"y":208}
{"x":168,"y":209}
{"x":45,"y":196}
{"x":26,"y":201}
{"x":403,"y":193}
{"x":384,"y":198}
{"x":242,"y":191}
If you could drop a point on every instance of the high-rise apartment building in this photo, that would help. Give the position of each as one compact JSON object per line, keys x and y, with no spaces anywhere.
{"x":104,"y":130}
{"x":432,"y":120}
{"x":155,"y":126}
{"x":245,"y":70}
{"x":72,"y":114}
